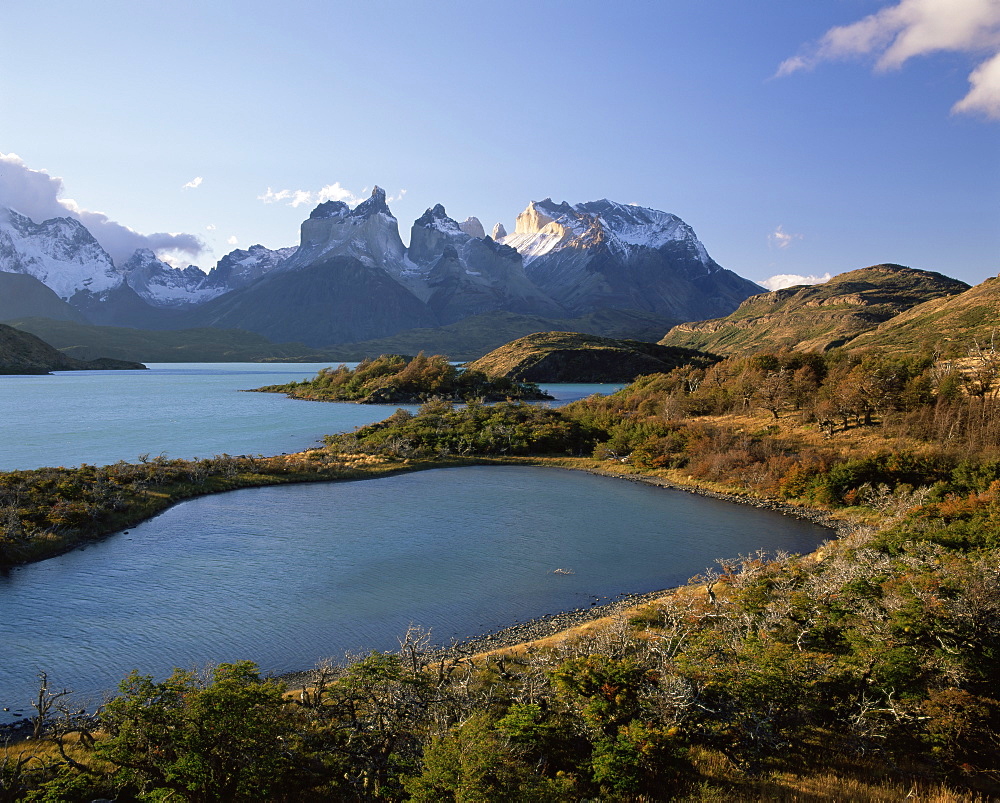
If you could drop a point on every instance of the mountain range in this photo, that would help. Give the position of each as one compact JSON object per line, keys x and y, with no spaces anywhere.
{"x":352,"y":279}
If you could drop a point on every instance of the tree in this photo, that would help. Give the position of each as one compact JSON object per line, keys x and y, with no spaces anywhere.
{"x":204,"y":739}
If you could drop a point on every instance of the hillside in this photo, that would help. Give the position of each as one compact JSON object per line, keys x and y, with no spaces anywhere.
{"x":816,"y":317}
{"x":477,"y":335}
{"x":574,"y":357}
{"x":23,"y":353}
{"x":22,"y":295}
{"x":86,"y":341}
{"x":950,"y":325}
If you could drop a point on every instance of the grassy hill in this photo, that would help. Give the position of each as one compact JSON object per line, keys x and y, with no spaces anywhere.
{"x":949,"y":326}
{"x":575,"y":357}
{"x":816,"y":317}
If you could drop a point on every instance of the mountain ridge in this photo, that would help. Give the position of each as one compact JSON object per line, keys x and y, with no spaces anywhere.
{"x":607,"y":255}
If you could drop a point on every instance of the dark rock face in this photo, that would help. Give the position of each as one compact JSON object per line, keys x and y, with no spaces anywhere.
{"x":331,"y":301}
{"x":470,"y":275}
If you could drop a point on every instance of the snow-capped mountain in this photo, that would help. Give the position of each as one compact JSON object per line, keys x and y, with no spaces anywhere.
{"x":241,"y":267}
{"x":60,"y":252}
{"x":162,"y":285}
{"x":65,"y":257}
{"x":461,"y":274}
{"x":603,"y":254}
{"x":351,"y":277}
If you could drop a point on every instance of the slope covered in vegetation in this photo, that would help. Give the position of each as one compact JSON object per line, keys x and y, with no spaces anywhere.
{"x":951,"y":326}
{"x":816,"y":317}
{"x":575,"y":357}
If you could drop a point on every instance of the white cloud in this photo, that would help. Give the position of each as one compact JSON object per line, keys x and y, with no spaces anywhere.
{"x":35,"y":193}
{"x":331,"y":192}
{"x":781,"y":238}
{"x":193,"y":183}
{"x":233,"y":240}
{"x":783,"y":280}
{"x":985,"y":93}
{"x":916,"y":28}
{"x":210,"y":227}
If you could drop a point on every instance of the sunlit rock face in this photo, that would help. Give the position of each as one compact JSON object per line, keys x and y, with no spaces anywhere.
{"x":603,"y":254}
{"x":499,"y":231}
{"x":473,"y":228}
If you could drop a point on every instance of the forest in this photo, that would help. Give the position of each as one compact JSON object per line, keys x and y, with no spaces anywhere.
{"x":865,"y":671}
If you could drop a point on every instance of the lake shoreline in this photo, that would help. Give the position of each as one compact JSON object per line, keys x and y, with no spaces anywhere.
{"x":548,"y":625}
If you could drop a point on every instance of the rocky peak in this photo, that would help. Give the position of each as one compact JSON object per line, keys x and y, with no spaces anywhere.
{"x":499,"y":231}
{"x":369,"y":233}
{"x":431,"y":233}
{"x":373,"y":206}
{"x":473,"y":227}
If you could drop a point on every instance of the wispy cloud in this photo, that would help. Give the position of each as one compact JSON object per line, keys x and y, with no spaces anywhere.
{"x":233,"y":240}
{"x":783,"y":280}
{"x":916,"y":28}
{"x":193,"y":183}
{"x":781,"y":238}
{"x":35,"y":193}
{"x":331,"y":192}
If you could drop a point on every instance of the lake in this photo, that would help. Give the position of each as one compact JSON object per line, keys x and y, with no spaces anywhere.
{"x":288,"y":575}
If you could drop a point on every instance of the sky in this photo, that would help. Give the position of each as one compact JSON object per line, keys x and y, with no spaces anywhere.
{"x":798,"y":139}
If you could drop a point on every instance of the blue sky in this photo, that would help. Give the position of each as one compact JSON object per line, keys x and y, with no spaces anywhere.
{"x":796,"y":137}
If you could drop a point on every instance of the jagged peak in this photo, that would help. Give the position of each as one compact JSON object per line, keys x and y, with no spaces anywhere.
{"x":376,"y":204}
{"x":329,"y":209}
{"x":139,"y":257}
{"x":499,"y":231}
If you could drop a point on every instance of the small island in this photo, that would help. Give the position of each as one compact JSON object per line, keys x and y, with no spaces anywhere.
{"x":395,"y":379}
